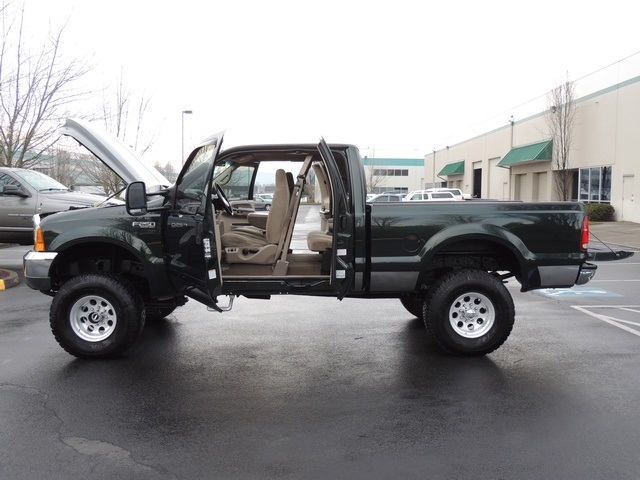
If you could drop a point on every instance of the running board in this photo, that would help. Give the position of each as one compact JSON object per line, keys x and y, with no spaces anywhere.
{"x":217,"y":308}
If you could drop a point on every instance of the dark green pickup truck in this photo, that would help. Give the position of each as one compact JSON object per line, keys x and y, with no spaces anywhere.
{"x":111,"y":268}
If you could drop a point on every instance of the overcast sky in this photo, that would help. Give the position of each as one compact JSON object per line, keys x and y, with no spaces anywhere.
{"x":396,"y":78}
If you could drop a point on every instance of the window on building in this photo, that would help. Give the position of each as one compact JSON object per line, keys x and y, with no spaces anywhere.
{"x":390,"y":190}
{"x":383,"y":172}
{"x":595,"y":184}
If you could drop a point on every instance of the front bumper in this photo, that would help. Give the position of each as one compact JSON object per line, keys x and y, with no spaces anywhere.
{"x":36,"y":267}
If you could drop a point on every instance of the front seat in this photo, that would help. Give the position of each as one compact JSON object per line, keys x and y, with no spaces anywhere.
{"x":253,"y":245}
{"x":322,"y":240}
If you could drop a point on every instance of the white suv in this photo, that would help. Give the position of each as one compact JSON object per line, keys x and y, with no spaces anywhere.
{"x":424,"y":195}
{"x":457,"y":193}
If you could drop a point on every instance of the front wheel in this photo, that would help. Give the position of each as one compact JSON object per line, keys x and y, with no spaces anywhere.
{"x":469,"y":312}
{"x":96,"y":316}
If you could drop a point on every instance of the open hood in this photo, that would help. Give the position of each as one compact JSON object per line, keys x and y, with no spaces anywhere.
{"x":114,"y":154}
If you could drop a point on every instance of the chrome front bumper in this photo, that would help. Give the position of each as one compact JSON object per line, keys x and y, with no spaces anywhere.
{"x":36,"y":266}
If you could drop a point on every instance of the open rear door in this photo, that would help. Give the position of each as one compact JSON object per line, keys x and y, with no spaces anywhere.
{"x":342,"y":268}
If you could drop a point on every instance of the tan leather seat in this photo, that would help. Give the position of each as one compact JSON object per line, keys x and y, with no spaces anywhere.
{"x":318,"y":241}
{"x":322,"y":240}
{"x":254,"y":245}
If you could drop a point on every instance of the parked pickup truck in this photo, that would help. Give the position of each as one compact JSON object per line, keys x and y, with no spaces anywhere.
{"x":24,"y":193}
{"x":110,"y":269}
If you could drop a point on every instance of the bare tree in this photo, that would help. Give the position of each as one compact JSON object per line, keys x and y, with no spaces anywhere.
{"x":373,"y":176}
{"x":35,"y":87}
{"x":100,"y":175}
{"x":122,"y":114}
{"x":168,"y":170}
{"x":64,"y":169}
{"x":560,"y":120}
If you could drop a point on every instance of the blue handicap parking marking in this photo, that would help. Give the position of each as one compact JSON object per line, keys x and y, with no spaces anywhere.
{"x":576,"y":292}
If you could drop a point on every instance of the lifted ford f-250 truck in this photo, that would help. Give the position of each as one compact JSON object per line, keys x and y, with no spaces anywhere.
{"x":110,"y":268}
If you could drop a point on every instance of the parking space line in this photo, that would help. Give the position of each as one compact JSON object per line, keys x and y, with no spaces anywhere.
{"x":624,"y":321}
{"x":627,"y":309}
{"x":611,"y":320}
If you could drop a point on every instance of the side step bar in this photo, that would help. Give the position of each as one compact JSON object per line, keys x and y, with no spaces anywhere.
{"x":221,"y":309}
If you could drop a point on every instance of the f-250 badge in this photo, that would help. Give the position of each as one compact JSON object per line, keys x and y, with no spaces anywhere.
{"x":144,"y":224}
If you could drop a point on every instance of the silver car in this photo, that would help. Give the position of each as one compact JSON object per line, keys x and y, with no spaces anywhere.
{"x":263,"y":201}
{"x":24,"y":193}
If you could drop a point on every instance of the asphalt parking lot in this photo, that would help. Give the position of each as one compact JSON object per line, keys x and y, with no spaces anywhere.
{"x":299,"y":387}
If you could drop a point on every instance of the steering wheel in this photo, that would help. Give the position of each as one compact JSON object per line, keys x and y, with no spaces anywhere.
{"x":223,"y":199}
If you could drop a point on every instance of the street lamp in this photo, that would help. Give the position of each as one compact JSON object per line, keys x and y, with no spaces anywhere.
{"x":184,"y":112}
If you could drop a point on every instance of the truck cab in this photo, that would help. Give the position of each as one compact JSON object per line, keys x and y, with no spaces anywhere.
{"x":213,"y":246}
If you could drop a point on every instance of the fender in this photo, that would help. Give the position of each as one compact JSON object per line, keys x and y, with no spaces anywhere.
{"x":475,"y":231}
{"x":151,"y":261}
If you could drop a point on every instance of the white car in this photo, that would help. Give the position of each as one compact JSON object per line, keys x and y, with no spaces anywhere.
{"x":457,"y":193}
{"x":423,"y":195}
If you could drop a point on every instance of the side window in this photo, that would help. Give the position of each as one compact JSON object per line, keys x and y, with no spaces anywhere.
{"x":192,"y":188}
{"x":7,"y":180}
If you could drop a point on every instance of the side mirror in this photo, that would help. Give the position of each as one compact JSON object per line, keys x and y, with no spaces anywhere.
{"x":136,"y":200}
{"x":13,"y":190}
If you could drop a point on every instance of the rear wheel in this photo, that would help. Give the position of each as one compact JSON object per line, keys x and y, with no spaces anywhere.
{"x":96,"y":315}
{"x":469,"y":312}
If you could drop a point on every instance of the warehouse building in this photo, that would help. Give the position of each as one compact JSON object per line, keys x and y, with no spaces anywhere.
{"x":513,"y":162}
{"x":400,"y":175}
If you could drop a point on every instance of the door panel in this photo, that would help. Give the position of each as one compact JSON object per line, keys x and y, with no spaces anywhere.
{"x":342,"y":268}
{"x":190,"y":240}
{"x":16,"y":212}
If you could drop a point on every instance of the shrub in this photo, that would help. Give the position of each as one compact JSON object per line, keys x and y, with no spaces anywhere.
{"x":600,"y":212}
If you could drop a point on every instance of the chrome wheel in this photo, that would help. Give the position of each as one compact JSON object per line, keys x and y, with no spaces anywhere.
{"x":472,"y":315}
{"x":469,"y":312}
{"x":93,"y":318}
{"x":96,"y":315}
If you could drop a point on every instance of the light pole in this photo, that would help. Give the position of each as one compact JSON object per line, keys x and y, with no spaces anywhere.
{"x":187,"y":112}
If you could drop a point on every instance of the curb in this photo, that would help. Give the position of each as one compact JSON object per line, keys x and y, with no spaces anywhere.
{"x":8,"y":279}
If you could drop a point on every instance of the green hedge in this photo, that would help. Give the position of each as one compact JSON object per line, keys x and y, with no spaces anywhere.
{"x":600,"y":212}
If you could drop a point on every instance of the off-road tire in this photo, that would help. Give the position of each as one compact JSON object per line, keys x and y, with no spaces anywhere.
{"x":469,"y":312}
{"x":96,"y":315}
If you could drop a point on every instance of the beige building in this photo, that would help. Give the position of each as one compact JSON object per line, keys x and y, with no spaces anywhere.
{"x":400,"y":175}
{"x":513,"y":162}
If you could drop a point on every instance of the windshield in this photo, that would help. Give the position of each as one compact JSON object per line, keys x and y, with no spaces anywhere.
{"x":40,"y":181}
